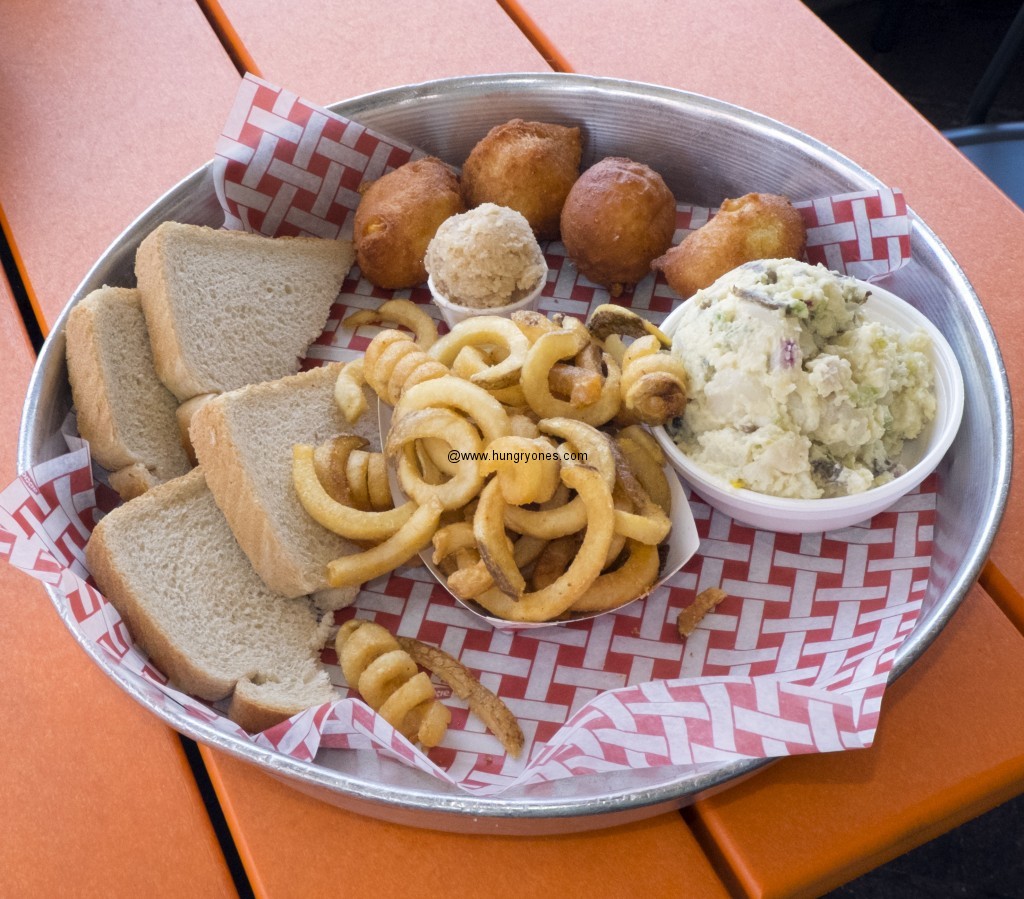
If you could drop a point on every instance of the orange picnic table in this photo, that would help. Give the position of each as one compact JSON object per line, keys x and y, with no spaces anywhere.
{"x":108,"y":105}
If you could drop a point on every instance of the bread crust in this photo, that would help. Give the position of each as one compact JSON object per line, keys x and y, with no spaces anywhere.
{"x":96,"y":421}
{"x":104,"y":330}
{"x":251,"y":709}
{"x":163,"y":337}
{"x":236,"y":495}
{"x":186,"y":412}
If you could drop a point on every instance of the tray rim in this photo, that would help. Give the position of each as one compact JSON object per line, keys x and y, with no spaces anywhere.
{"x":464,"y":812}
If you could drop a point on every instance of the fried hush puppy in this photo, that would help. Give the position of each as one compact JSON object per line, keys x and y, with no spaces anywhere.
{"x":754,"y":226}
{"x":618,"y":217}
{"x":527,"y":166}
{"x":398,"y":215}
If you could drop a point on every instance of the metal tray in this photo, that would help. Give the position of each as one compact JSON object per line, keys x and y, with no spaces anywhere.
{"x":706,"y":150}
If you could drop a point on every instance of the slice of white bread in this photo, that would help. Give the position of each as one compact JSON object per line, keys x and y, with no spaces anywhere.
{"x":229,"y":308}
{"x":132,"y":481}
{"x":168,"y":563}
{"x":243,"y":440}
{"x":184,"y":415}
{"x":126,"y":414}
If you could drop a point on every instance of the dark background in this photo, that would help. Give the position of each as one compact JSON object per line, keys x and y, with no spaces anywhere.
{"x":933,"y":52}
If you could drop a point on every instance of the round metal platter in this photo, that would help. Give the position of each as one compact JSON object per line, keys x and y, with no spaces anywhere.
{"x":706,"y":150}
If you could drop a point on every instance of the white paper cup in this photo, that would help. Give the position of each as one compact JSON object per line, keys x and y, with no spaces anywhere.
{"x":453,"y":313}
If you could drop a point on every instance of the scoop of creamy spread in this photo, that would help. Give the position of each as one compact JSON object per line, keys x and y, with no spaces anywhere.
{"x":485,"y":258}
{"x":792,"y":391}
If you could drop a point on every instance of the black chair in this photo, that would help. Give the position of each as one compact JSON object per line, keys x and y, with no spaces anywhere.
{"x":996,"y":149}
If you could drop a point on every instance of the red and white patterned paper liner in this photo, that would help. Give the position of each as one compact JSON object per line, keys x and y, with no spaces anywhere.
{"x":286,"y":167}
{"x":795,"y":660}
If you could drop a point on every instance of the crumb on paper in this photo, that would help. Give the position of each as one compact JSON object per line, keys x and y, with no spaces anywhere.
{"x":694,"y":613}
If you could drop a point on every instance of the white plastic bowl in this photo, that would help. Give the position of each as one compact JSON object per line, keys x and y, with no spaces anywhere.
{"x":920,"y":456}
{"x":453,"y":313}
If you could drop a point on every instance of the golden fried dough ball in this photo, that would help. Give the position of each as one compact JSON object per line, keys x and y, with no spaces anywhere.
{"x":618,"y":216}
{"x":755,"y":226}
{"x":527,"y":166}
{"x":398,"y":215}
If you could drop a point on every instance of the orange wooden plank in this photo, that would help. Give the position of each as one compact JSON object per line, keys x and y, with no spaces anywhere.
{"x":950,"y":746}
{"x":779,"y":59}
{"x":99,"y":799}
{"x":293,"y":845}
{"x":1007,"y":595}
{"x":106,"y":105}
{"x":324,"y":55}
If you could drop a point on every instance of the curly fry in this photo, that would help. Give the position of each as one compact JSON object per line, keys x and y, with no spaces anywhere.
{"x":348,"y":391}
{"x":367,"y":477}
{"x":482,"y":702}
{"x":691,"y":616}
{"x":401,"y":312}
{"x":610,"y":319}
{"x":385,"y":675}
{"x":653,"y":382}
{"x":394,"y":362}
{"x":631,"y":580}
